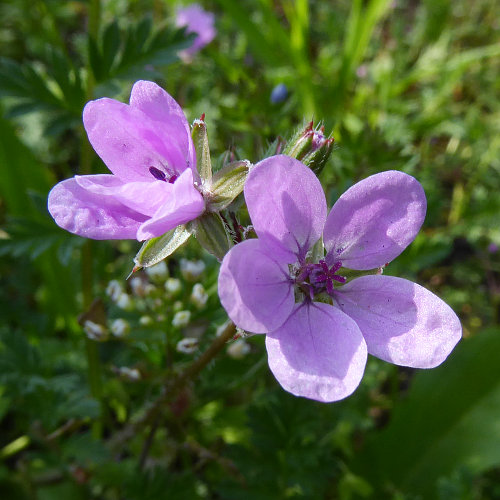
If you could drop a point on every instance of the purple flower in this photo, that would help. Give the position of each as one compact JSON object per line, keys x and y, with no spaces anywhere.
{"x":148,"y":148}
{"x":319,"y":326}
{"x":196,"y":20}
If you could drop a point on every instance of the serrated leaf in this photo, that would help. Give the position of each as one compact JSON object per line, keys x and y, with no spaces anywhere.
{"x":157,"y":249}
{"x":227,"y":184}
{"x":111,"y":42}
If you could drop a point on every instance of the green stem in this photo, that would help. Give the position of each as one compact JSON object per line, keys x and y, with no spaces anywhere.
{"x":173,"y":385}
{"x":93,"y":361}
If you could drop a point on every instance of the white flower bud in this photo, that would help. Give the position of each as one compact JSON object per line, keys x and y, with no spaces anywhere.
{"x":131,"y":374}
{"x":124,"y":302}
{"x":198,"y":296}
{"x":145,"y":320}
{"x":120,"y":328}
{"x":172,"y":285}
{"x":192,"y":270}
{"x":181,"y":319}
{"x":238,"y":349}
{"x":140,"y":288}
{"x":158,"y":272}
{"x":187,"y":345}
{"x":114,"y":290}
{"x":95,"y":331}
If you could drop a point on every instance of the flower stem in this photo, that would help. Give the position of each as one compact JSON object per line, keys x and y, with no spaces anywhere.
{"x":172,"y":387}
{"x":93,"y":361}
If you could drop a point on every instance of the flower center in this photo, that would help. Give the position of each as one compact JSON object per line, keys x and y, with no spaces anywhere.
{"x":314,"y":279}
{"x":160,"y":175}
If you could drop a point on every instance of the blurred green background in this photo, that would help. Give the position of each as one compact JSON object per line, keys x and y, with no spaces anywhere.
{"x":405,"y":84}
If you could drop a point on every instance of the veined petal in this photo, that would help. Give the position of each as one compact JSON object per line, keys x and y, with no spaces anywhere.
{"x":254,"y":287}
{"x":184,"y":204}
{"x":402,"y":322}
{"x":287,"y":205}
{"x":318,"y":353}
{"x":129,"y":142}
{"x":375,"y":220}
{"x":92,"y":215}
{"x":144,"y":197}
{"x":168,"y":117}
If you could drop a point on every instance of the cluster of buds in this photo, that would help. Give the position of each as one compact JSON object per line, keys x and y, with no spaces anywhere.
{"x":311,"y":147}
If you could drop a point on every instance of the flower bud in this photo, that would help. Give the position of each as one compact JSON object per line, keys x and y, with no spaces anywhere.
{"x":191,"y":270}
{"x":120,"y":328}
{"x":181,"y":319}
{"x":187,"y":345}
{"x":198,"y":296}
{"x":158,"y":273}
{"x":172,"y":285}
{"x":130,"y":374}
{"x":124,"y":302}
{"x":95,"y":331}
{"x":311,"y":147}
{"x":238,"y":349}
{"x":114,"y":290}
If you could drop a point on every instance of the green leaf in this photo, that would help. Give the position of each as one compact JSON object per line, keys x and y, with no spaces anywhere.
{"x":448,"y":420}
{"x":227,"y":184}
{"x":157,"y":249}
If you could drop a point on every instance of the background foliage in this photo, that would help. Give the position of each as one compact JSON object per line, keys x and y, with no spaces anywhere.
{"x":406,"y":84}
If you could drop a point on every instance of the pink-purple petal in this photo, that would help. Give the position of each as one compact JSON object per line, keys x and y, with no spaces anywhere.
{"x":184,"y":204}
{"x":144,"y":197}
{"x":318,"y":353}
{"x":91,"y":215}
{"x":129,"y":142}
{"x":287,"y":205}
{"x":402,"y":322}
{"x":254,"y":287}
{"x":168,"y":118}
{"x":375,"y":220}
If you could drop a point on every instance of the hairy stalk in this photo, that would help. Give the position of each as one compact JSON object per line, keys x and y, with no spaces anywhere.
{"x":170,"y":389}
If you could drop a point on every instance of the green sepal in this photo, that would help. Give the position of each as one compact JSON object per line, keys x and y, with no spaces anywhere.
{"x":157,"y":249}
{"x":227,"y":184}
{"x":212,"y":234}
{"x":301,"y":143}
{"x":316,"y":160}
{"x":200,"y":140}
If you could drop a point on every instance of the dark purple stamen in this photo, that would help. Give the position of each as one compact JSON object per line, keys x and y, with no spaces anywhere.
{"x":173,"y":178}
{"x":158,"y":174}
{"x":318,"y":278}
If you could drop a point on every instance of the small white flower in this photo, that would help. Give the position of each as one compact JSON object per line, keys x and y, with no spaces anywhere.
{"x":95,"y":331}
{"x":172,"y":285}
{"x":114,"y":290}
{"x":132,"y":374}
{"x":140,"y":287}
{"x":158,"y":272}
{"x":145,"y":320}
{"x":181,"y":318}
{"x":191,"y":270}
{"x":198,"y":296}
{"x":187,"y":345}
{"x":120,"y":327}
{"x":124,"y":302}
{"x":238,"y":349}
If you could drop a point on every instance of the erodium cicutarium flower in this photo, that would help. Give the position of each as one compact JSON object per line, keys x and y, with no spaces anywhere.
{"x":153,"y":186}
{"x":319,"y":326}
{"x":196,"y":20}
